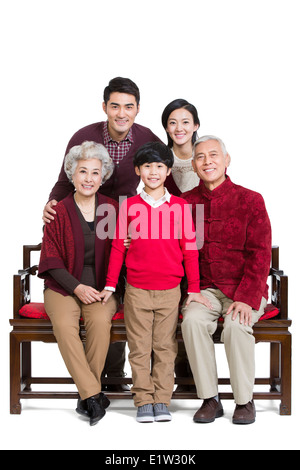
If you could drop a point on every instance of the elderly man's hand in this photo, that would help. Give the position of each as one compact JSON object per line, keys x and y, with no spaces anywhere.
{"x":244,"y":310}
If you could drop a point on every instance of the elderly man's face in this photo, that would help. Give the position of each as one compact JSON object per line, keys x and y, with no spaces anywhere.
{"x":210,"y":163}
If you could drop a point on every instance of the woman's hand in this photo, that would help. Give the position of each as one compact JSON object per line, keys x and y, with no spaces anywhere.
{"x":87,"y":294}
{"x":201,"y":299}
{"x":48,"y":211}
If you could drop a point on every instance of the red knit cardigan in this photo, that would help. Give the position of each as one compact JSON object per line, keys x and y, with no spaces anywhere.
{"x":63,"y":243}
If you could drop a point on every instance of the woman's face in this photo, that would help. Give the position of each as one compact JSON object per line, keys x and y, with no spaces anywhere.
{"x":88,"y":176}
{"x":181,"y":126}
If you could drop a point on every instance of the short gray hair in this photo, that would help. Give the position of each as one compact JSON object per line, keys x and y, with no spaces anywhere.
{"x":86,"y":151}
{"x":205,"y":138}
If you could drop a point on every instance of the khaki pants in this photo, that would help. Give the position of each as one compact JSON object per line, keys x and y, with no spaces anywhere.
{"x":198,"y":326}
{"x":151,"y":318}
{"x":84,"y":364}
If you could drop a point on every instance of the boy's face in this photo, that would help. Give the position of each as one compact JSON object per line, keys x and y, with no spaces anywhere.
{"x":153,"y":174}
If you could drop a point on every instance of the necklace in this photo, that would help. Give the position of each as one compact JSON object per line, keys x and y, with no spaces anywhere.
{"x":85,"y":212}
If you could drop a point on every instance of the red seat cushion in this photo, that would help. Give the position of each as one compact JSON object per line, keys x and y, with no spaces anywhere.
{"x":37,"y":310}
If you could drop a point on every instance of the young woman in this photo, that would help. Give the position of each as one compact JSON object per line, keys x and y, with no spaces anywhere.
{"x":181,"y":122}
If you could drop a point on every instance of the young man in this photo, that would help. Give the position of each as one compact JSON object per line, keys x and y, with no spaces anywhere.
{"x":234,"y":265}
{"x":119,"y":134}
{"x":122,"y":138}
{"x":162,"y":240}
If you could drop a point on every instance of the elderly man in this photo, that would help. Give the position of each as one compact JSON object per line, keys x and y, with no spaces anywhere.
{"x":234,"y":265}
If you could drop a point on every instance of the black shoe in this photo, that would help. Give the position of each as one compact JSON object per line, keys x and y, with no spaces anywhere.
{"x":82,"y":408}
{"x":95,"y":409}
{"x":104,"y":401}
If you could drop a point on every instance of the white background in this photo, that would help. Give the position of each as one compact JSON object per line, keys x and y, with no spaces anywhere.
{"x":237,"y":61}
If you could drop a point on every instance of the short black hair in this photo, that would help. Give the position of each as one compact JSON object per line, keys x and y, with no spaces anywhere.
{"x":121,"y":85}
{"x":153,"y":152}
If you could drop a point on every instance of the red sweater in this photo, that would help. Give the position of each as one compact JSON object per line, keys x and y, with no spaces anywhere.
{"x":236,"y":254}
{"x":163,"y":240}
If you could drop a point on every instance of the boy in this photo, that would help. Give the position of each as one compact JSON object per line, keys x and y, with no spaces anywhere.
{"x":154,"y":264}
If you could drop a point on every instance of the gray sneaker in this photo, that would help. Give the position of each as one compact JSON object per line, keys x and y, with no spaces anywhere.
{"x":145,"y":414}
{"x":161,"y":412}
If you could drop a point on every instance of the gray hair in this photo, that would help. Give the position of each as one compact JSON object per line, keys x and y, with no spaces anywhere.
{"x":205,"y":138}
{"x":86,"y":151}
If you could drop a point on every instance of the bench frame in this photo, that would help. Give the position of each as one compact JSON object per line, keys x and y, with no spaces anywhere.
{"x":27,"y":330}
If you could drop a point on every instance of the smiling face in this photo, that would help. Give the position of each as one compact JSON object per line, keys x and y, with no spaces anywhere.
{"x":87,"y":177}
{"x":121,"y":110}
{"x":181,"y":126}
{"x":153,"y":176}
{"x":210,"y":163}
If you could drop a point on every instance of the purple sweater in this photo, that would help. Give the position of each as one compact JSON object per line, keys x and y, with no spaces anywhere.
{"x":124,"y":180}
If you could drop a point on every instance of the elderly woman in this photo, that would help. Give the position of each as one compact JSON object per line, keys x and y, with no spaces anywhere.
{"x":73,"y":263}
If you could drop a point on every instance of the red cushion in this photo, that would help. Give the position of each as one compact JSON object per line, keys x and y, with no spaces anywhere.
{"x":37,"y":310}
{"x":34,"y":310}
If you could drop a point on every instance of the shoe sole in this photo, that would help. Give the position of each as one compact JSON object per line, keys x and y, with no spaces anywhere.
{"x":243,"y":421}
{"x":145,"y":419}
{"x":162,"y":418}
{"x":219,"y":414}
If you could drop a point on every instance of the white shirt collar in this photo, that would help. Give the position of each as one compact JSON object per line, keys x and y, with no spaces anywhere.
{"x":152,"y":202}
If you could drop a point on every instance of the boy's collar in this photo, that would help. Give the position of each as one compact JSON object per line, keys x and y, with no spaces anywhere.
{"x":155,"y":203}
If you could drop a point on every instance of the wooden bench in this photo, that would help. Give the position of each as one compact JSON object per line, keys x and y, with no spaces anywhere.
{"x":27,"y":330}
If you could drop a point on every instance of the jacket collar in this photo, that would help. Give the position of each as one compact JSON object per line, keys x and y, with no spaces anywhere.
{"x":222,"y":189}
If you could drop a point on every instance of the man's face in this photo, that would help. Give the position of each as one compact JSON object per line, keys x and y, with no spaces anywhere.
{"x":121,"y":110}
{"x":210,"y":163}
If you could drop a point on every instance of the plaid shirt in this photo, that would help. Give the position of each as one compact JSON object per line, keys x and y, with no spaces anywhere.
{"x":117,"y":150}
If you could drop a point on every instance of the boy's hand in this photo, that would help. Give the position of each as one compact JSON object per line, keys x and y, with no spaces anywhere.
{"x":201,"y":299}
{"x":105,"y":295}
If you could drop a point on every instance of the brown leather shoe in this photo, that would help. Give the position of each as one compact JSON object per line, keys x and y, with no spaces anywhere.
{"x":244,"y":414}
{"x":209,"y":411}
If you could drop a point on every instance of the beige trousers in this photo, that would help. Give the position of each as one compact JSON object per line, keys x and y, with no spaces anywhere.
{"x":151,"y":318}
{"x":198,"y":325}
{"x":84,"y":364}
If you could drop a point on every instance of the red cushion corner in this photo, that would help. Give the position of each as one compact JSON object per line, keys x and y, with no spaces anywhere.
{"x":34,"y":310}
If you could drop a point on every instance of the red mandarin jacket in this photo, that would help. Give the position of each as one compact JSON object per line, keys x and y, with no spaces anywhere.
{"x":237,"y":247}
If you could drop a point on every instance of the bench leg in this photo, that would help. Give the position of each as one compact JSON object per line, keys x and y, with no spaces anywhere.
{"x":274,"y":366}
{"x":15,"y":375}
{"x":26,"y":365}
{"x":286,"y":375}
